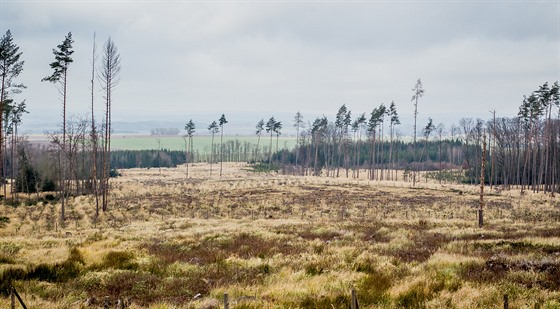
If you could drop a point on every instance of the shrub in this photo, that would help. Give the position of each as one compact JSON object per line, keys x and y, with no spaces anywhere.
{"x":264,"y":168}
{"x":50,"y":197}
{"x":59,"y":272}
{"x":31,"y":202}
{"x":118,"y":260}
{"x":12,"y":202}
{"x":48,"y":185}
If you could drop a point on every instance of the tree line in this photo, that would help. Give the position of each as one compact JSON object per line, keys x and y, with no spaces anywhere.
{"x":523,"y":151}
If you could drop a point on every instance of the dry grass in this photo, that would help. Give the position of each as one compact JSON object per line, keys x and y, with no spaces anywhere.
{"x":280,"y":241}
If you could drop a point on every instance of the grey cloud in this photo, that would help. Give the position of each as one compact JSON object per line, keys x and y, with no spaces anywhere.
{"x":180,"y":57}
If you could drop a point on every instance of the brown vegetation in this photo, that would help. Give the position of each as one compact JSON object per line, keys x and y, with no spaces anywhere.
{"x":282,"y":241}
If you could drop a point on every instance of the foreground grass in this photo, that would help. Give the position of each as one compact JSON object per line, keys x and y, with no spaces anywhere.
{"x":273,"y":241}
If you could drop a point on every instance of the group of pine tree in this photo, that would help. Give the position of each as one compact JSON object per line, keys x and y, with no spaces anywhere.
{"x":524,"y":151}
{"x":78,"y":157}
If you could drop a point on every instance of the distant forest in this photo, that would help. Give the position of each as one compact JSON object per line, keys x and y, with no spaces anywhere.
{"x":521,"y":152}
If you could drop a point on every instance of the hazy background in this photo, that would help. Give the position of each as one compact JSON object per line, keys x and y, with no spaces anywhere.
{"x":254,"y":59}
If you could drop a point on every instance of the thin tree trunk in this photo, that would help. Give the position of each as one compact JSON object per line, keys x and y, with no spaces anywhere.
{"x":297,"y":148}
{"x":2,"y":140}
{"x":481,"y":202}
{"x":221,"y":149}
{"x":270,"y":150}
{"x":211,"y":154}
{"x":94,"y":134}
{"x":257,"y":148}
{"x":63,"y":167}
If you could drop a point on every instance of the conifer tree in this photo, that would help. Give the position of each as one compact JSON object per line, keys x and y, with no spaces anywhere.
{"x":190,"y":128}
{"x":418,"y":93}
{"x":213,"y":129}
{"x":11,"y":67}
{"x":62,"y":55}
{"x":222,"y":122}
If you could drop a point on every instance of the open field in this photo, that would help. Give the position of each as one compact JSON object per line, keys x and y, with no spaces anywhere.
{"x":200,"y":143}
{"x":275,"y":241}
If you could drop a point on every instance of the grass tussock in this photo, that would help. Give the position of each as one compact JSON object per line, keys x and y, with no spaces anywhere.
{"x":278,"y":241}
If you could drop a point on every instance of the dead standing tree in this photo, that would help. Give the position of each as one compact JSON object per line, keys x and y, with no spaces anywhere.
{"x":93,"y":132}
{"x":109,"y":76}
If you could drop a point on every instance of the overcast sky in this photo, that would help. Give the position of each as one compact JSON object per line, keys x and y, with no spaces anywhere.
{"x":181,"y":59}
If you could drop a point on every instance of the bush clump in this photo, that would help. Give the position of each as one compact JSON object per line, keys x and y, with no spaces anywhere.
{"x":119,"y":260}
{"x":59,"y":272}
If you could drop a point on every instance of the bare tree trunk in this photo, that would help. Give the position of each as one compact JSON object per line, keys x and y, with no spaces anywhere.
{"x":211,"y":154}
{"x":221,"y":149}
{"x":186,"y":156}
{"x":258,"y":149}
{"x":63,"y":166}
{"x":297,"y":148}
{"x":109,"y":75}
{"x":492,"y":152}
{"x":270,"y":149}
{"x":93,"y":134}
{"x":2,"y":140}
{"x":14,"y":163}
{"x":481,"y":202}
